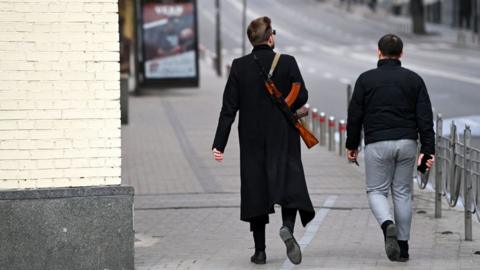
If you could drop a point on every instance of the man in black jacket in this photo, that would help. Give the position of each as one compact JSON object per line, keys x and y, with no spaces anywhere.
{"x":393,"y":106}
{"x":271,"y":169}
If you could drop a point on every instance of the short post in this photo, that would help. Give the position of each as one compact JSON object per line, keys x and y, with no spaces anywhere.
{"x":453,"y":146}
{"x":342,"y":128}
{"x":467,"y":184}
{"x":323,"y":128}
{"x":201,"y":52}
{"x":308,"y":119}
{"x":228,"y":67}
{"x":349,"y":94}
{"x":331,"y":134}
{"x":438,"y":168}
{"x":315,"y":123}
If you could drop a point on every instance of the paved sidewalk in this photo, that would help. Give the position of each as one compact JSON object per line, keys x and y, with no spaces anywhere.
{"x":187,"y":205}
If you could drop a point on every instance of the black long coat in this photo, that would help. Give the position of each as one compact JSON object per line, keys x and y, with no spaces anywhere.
{"x":271,"y":169}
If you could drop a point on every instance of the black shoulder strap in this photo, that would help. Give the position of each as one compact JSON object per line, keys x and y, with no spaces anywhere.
{"x":279,"y":102}
{"x":262,"y":70}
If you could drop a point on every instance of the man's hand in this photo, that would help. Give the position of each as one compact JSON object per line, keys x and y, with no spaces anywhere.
{"x":352,"y":155}
{"x":217,"y":155}
{"x":429,"y":162}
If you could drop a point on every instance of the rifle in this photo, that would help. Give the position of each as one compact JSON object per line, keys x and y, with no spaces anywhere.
{"x":285,"y":104}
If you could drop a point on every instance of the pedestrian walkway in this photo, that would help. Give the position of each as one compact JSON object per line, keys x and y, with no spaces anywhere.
{"x":187,"y":205}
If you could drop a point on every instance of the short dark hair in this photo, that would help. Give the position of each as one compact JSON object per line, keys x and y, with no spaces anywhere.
{"x":259,"y":30}
{"x":390,"y":45}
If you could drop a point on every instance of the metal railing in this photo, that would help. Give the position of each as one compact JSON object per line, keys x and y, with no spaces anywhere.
{"x":457,"y":173}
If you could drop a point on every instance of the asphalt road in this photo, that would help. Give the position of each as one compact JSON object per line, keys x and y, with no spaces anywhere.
{"x":333,"y":47}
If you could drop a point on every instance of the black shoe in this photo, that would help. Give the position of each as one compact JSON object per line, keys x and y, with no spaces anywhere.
{"x":260,"y":257}
{"x":294,"y":253}
{"x":403,"y":251}
{"x":391,"y":245}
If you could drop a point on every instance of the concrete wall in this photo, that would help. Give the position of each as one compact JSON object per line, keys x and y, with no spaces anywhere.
{"x":67,"y":228}
{"x":59,"y":93}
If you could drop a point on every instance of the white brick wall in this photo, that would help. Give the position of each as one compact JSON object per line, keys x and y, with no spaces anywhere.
{"x":59,"y":93}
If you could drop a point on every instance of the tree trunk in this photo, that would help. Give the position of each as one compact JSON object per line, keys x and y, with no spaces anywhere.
{"x":418,"y":17}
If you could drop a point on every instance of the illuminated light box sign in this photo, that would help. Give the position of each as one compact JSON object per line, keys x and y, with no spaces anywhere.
{"x":169,"y":38}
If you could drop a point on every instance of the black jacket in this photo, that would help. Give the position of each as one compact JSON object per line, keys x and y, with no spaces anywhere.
{"x":271,"y":170}
{"x":392,"y":103}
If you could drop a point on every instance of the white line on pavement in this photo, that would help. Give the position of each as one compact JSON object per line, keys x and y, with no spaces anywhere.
{"x":345,"y":81}
{"x":312,"y":228}
{"x":327,"y":75}
{"x":306,"y":49}
{"x":290,"y":49}
{"x":237,"y":51}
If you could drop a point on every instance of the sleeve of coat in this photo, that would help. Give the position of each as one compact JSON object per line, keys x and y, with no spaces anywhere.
{"x":228,"y":112}
{"x":424,"y":117}
{"x":355,"y":116}
{"x":296,"y":76}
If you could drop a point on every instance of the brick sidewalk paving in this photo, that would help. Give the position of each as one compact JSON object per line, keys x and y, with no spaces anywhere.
{"x":187,"y":205}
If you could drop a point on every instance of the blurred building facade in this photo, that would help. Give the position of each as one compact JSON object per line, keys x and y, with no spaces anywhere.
{"x":455,"y":13}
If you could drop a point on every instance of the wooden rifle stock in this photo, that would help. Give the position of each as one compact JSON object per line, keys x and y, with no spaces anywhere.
{"x":292,"y":96}
{"x":306,"y":135}
{"x":285,"y":104}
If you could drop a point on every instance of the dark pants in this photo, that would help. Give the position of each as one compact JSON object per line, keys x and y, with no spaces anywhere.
{"x":257,"y":226}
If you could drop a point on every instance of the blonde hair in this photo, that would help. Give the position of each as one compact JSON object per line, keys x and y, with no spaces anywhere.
{"x":259,"y":30}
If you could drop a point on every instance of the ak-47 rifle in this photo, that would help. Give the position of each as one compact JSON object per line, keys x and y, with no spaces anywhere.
{"x":285,"y":104}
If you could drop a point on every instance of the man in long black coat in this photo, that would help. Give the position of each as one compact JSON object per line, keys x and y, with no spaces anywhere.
{"x":270,"y":159}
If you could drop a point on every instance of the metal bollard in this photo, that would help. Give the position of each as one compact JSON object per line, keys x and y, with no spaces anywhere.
{"x":342,"y":128}
{"x":467,"y":184}
{"x":331,"y":134}
{"x":228,"y":67}
{"x":438,"y":168}
{"x":461,"y":37}
{"x":308,"y":118}
{"x":453,"y":144}
{"x":323,"y":128}
{"x":201,"y":52}
{"x":315,"y":123}
{"x":349,"y":94}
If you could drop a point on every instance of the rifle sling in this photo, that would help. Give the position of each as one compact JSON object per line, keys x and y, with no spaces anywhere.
{"x":274,"y":65}
{"x":279,"y":102}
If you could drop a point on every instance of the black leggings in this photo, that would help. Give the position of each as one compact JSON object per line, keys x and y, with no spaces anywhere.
{"x":257,"y":226}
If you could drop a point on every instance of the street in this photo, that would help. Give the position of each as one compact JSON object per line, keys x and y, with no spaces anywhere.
{"x":333,"y":47}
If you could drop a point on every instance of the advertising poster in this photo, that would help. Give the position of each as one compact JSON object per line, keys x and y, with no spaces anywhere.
{"x":169,"y":40}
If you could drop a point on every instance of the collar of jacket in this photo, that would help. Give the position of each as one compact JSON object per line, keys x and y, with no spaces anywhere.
{"x":389,"y":63}
{"x":262,"y":47}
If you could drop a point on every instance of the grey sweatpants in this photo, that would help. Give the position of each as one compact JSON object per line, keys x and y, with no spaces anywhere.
{"x":389,"y":166}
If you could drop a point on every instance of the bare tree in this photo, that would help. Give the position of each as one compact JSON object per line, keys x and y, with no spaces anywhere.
{"x":418,"y":17}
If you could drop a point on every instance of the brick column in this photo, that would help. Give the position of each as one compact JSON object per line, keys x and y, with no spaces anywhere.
{"x":60,"y":140}
{"x":59,"y":94}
